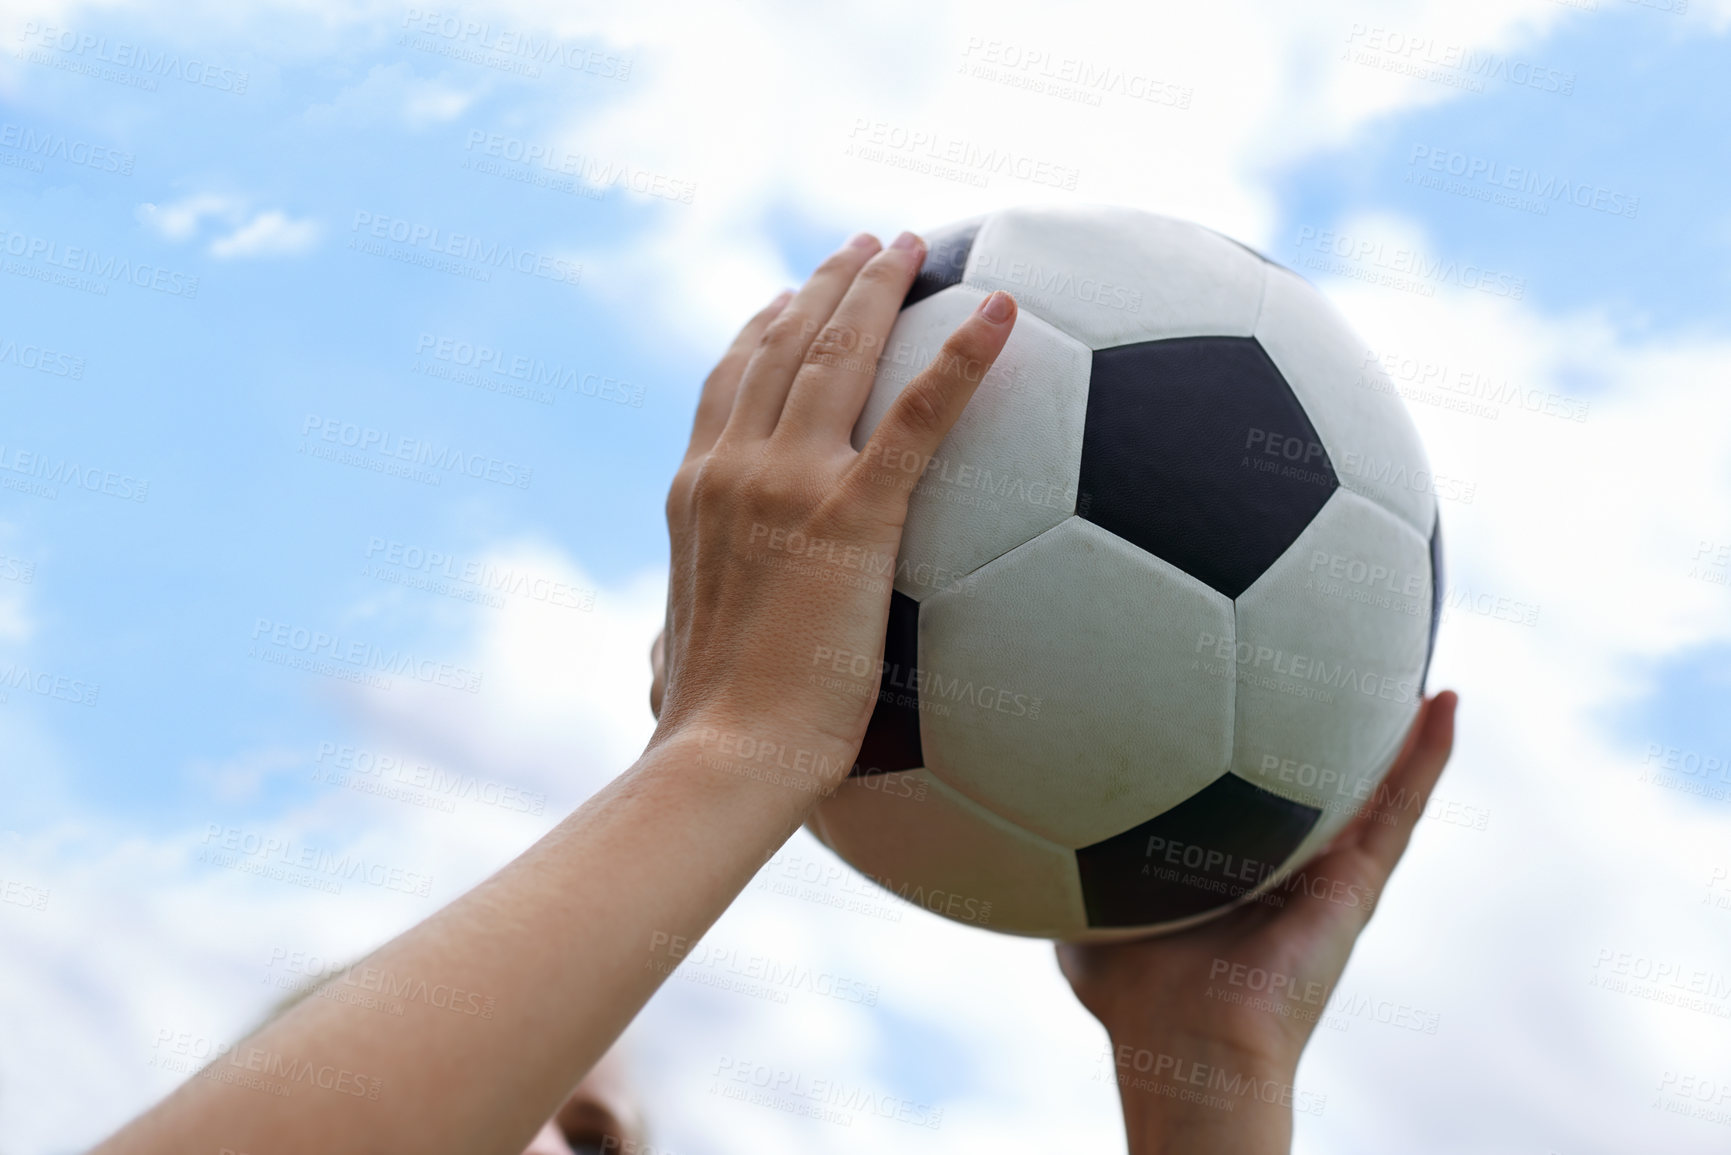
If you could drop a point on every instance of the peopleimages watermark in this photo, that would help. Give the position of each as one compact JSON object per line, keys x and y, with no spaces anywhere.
{"x":1712,"y":562}
{"x":458,"y":37}
{"x":588,"y":172}
{"x":1668,"y":7}
{"x":16,"y":569}
{"x":1303,"y":674}
{"x":764,"y":758}
{"x":1454,"y":65}
{"x":1463,"y":389}
{"x":1662,"y":980}
{"x":755,"y":975}
{"x":85,"y":269}
{"x":472,"y":580}
{"x":15,"y":893}
{"x":934,"y":153}
{"x":1510,"y":186}
{"x":120,"y":62}
{"x":1668,"y":767}
{"x":285,"y":860}
{"x":1065,"y":77}
{"x":382,"y":451}
{"x":1309,"y":1001}
{"x":917,"y":687}
{"x":793,"y":551}
{"x":370,"y":987}
{"x":825,"y":883}
{"x":1334,"y":790}
{"x":1214,"y":870}
{"x":956,"y":482}
{"x":18,"y":676}
{"x":1046,"y":285}
{"x":42,"y":475}
{"x":34,"y":146}
{"x":495,"y":370}
{"x":423,"y":783}
{"x":1369,"y":582}
{"x":1388,"y":474}
{"x":1409,"y":270}
{"x":282,"y":643}
{"x":1718,"y":888}
{"x":256,"y":1068}
{"x":824,"y":1100}
{"x":41,"y":358}
{"x":470,"y":256}
{"x":829,"y":883}
{"x":1210,"y":1085}
{"x":1694,"y":1096}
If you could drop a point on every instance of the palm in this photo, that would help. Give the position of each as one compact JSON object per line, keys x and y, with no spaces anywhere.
{"x":1176,"y":983}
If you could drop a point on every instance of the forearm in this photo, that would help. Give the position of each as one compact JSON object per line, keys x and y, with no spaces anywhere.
{"x":1181,"y":1096}
{"x":559,"y":942}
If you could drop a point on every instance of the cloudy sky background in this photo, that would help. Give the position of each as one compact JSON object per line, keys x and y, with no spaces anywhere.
{"x":1598,"y":476}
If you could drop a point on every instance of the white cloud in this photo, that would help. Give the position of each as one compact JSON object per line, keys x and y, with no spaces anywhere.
{"x":396,"y":92}
{"x":759,"y":110}
{"x":181,"y":220}
{"x":269,"y":234}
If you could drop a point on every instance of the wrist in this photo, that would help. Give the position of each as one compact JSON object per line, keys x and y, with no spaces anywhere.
{"x":1183,"y":1093}
{"x":749,"y":746}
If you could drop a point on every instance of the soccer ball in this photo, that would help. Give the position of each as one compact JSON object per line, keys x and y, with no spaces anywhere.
{"x":1166,"y":597}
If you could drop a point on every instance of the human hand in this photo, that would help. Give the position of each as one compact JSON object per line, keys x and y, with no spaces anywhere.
{"x":1242,"y":994}
{"x":784,"y":537}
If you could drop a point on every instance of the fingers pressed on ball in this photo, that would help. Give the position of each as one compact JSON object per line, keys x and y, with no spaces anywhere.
{"x":924,"y":411}
{"x":769,"y":374}
{"x":831,"y":386}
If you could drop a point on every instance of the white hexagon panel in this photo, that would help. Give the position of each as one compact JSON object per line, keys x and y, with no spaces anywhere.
{"x":1113,"y":276}
{"x":1069,"y":669}
{"x":1332,"y":641}
{"x":1007,"y":470}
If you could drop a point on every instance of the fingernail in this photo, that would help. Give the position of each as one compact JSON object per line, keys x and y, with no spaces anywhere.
{"x":997,"y":308}
{"x":906,"y":241}
{"x":863,"y":241}
{"x":781,"y":298}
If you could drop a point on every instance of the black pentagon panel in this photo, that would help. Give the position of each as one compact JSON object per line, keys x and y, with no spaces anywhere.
{"x":892,"y":738}
{"x":1436,"y":596}
{"x":1196,"y":450}
{"x":1218,"y":844}
{"x":946,"y":259}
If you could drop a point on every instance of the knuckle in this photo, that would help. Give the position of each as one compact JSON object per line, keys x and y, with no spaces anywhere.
{"x":962,"y":356}
{"x":834,"y":341}
{"x":884,"y":271}
{"x":921,"y":409}
{"x":843,"y":347}
{"x":787,"y":329}
{"x":711,"y":482}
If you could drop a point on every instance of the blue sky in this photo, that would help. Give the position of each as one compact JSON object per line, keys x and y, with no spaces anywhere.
{"x":1648,"y":102}
{"x":216,"y":398}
